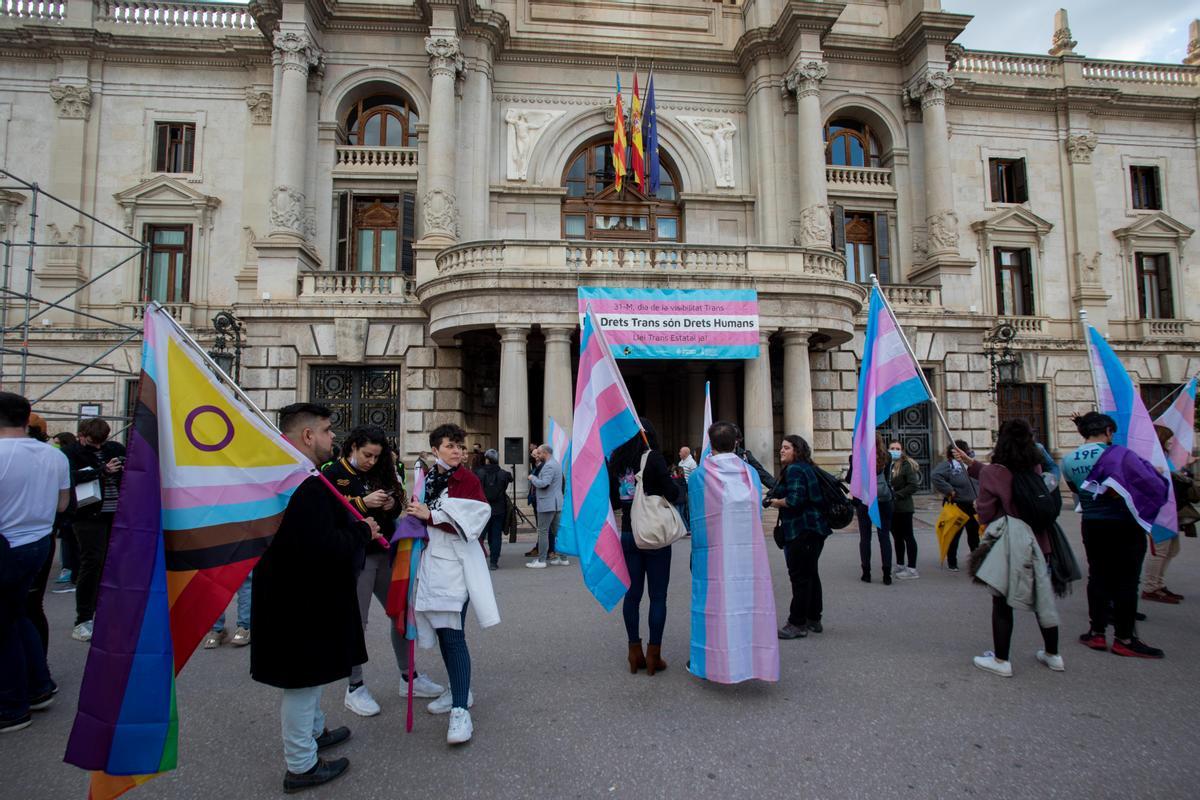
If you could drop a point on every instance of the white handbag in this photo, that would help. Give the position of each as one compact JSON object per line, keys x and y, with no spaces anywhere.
{"x":88,"y":493}
{"x":655,"y":522}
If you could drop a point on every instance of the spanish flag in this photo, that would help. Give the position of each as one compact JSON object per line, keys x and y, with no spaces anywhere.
{"x":635,"y":126}
{"x":619,"y":138}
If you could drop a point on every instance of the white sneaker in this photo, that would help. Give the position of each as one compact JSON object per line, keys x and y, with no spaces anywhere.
{"x":82,"y":632}
{"x":460,"y":729}
{"x":912,"y":572}
{"x":989,"y":663}
{"x":1054,"y":662}
{"x":537,"y":563}
{"x":559,"y":561}
{"x":241,"y":637}
{"x":422,"y":687}
{"x":443,"y":704}
{"x":361,"y":702}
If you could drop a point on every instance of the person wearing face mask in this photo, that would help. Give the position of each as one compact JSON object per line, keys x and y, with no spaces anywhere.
{"x":366,"y":476}
{"x":950,"y":479}
{"x":905,"y":476}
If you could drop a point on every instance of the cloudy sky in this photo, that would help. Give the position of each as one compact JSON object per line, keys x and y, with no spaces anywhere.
{"x":1144,"y":30}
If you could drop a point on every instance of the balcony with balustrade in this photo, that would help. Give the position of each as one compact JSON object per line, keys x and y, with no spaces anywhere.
{"x":860,"y":181}
{"x":389,"y":163}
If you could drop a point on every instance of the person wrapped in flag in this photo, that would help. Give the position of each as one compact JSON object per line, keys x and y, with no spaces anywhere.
{"x":366,"y":476}
{"x":306,"y":581}
{"x":453,"y":572}
{"x":733,"y":604}
{"x":1154,"y":580}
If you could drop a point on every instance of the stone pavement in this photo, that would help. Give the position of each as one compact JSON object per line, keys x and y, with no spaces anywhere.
{"x":884,"y":703}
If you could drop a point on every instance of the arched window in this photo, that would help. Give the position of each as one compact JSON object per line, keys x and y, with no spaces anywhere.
{"x":593,"y":209}
{"x":850,"y":143}
{"x":382,"y":121}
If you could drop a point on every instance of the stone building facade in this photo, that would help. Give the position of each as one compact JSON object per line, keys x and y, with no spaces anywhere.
{"x":399,"y":199}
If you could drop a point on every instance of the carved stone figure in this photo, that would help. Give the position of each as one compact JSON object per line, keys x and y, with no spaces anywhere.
{"x":1080,"y":147}
{"x":441,"y":214}
{"x":717,"y":137}
{"x":525,"y":128}
{"x":74,"y":102}
{"x":816,"y":230}
{"x":1087,"y":269}
{"x":943,"y":231}
{"x":259,"y":104}
{"x":287,"y":209}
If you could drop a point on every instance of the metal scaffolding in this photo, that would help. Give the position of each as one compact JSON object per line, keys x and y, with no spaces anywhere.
{"x":25,"y":307}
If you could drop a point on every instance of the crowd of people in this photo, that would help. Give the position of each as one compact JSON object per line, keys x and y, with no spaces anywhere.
{"x":325,"y":564}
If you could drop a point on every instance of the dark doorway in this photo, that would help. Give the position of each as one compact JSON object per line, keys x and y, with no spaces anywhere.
{"x":360,"y":396}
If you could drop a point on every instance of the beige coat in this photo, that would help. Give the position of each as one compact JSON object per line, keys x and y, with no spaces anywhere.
{"x":1016,"y":569}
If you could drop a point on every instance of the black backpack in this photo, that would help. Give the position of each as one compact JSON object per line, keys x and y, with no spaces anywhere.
{"x":494,"y":485}
{"x":1037,"y":505}
{"x":837,"y":507}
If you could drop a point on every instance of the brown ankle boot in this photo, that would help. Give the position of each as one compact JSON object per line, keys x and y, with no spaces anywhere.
{"x":654,"y":662}
{"x":636,"y":659}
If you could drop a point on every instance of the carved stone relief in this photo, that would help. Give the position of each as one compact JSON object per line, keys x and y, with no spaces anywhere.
{"x":287,"y":209}
{"x":440,"y":214}
{"x":525,"y":128}
{"x":716,"y":135}
{"x":1080,"y":147}
{"x":943,"y":231}
{"x":259,"y":104}
{"x":74,"y":102}
{"x":816,"y":230}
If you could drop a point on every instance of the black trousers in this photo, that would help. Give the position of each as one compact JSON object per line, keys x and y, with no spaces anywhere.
{"x":971,"y":529}
{"x":92,"y":535}
{"x":33,"y":602}
{"x":906,"y":541}
{"x":802,"y":556}
{"x":1002,"y":630}
{"x":1115,"y":550}
{"x":70,"y":548}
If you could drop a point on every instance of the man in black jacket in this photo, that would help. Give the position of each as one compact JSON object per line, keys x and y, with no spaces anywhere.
{"x":305,"y":582}
{"x":495,"y":482}
{"x":94,"y":459}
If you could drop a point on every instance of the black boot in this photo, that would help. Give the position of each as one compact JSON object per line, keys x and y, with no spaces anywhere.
{"x":322,"y":772}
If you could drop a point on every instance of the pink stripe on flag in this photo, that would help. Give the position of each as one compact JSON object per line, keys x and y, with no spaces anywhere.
{"x":195,"y":496}
{"x":741,"y":308}
{"x":688,"y":336}
{"x":717,"y":639}
{"x":608,"y":548}
{"x":894,"y":372}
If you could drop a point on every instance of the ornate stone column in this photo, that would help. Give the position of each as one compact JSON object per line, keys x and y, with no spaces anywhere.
{"x":941,"y":220}
{"x":758,"y":429}
{"x":62,"y":270}
{"x":805,"y":80}
{"x":514,"y":395}
{"x":557,"y":399}
{"x":797,"y":385}
{"x":438,"y":204}
{"x":297,"y":53}
{"x":1084,"y":231}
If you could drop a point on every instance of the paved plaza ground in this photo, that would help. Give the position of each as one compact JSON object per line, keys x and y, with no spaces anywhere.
{"x":884,"y":703}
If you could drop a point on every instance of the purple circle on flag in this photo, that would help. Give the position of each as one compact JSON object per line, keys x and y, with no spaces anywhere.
{"x":191,"y":419}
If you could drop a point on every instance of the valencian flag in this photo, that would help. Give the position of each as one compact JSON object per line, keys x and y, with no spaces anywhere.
{"x":619,"y":146}
{"x":206,"y":484}
{"x":637,"y":154}
{"x":650,"y":138}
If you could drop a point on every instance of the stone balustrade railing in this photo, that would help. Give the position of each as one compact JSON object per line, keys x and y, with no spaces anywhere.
{"x":1169,"y":328}
{"x":376,"y":160}
{"x":166,"y":13}
{"x":913,"y":297}
{"x":1017,"y":64}
{"x":868,"y":178}
{"x":583,"y":256}
{"x":1028,"y":326}
{"x":49,"y":10}
{"x":181,"y":312}
{"x":1132,"y":72}
{"x":354,"y":285}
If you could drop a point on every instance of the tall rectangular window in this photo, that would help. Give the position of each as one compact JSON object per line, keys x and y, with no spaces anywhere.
{"x":1155,"y":298}
{"x":1145,"y":188}
{"x":375,"y":233}
{"x":1014,"y":282}
{"x":863,"y":237}
{"x":1008,"y":180}
{"x":167,"y":273}
{"x":174,"y":146}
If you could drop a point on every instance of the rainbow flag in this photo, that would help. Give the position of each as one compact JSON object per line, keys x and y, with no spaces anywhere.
{"x":619,"y":146}
{"x":638,"y":154}
{"x":1117,"y":397}
{"x":705,"y":446}
{"x":207,"y":480}
{"x":889,"y":380}
{"x":733,"y":605}
{"x":604,"y":420}
{"x":1180,"y":420}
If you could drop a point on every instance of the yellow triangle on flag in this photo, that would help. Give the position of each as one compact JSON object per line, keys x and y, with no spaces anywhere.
{"x":207,"y":429}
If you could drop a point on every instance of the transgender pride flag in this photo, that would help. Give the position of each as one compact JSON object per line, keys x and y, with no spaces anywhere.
{"x":706,"y":446}
{"x":604,"y":420}
{"x":1180,"y":419}
{"x":889,"y":380}
{"x":1116,"y":397}
{"x":558,"y":440}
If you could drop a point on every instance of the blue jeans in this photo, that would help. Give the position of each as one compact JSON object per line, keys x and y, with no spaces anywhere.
{"x":302,"y":721}
{"x":645,"y":566}
{"x":884,"y":532}
{"x":243,"y":608}
{"x":23,"y":670}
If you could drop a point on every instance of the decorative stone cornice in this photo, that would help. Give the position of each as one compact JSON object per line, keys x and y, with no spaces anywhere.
{"x":445,"y":55}
{"x":1080,"y":146}
{"x":73,"y":101}
{"x":296,"y":50}
{"x":259,"y":104}
{"x":805,"y":78}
